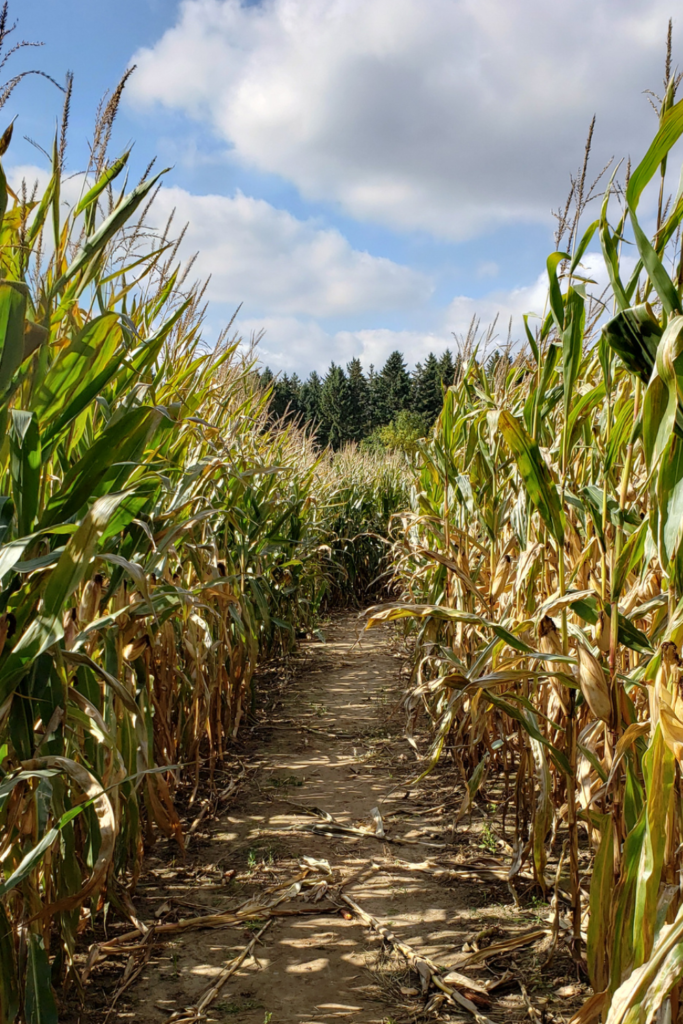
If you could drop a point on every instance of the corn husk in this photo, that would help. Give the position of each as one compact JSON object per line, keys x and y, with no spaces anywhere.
{"x":672,"y":730}
{"x":549,"y":643}
{"x":90,"y":601}
{"x":666,"y":688}
{"x":594,"y":684}
{"x":70,"y":626}
{"x":134,"y":649}
{"x":602,"y":631}
{"x":500,"y":577}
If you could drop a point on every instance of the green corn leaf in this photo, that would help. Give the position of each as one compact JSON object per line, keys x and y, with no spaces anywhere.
{"x":114,"y":222}
{"x":29,"y":862}
{"x":105,"y":179}
{"x":669,"y":132}
{"x":634,"y":335}
{"x":601,"y":896}
{"x":572,"y":350}
{"x":555,"y":292}
{"x":79,"y":373}
{"x":532,"y":729}
{"x":621,"y":953}
{"x":669,"y":491}
{"x":631,"y":554}
{"x":534,"y":472}
{"x":25,"y":467}
{"x":530,"y":338}
{"x":46,"y":628}
{"x":619,"y":435}
{"x":661,"y":404}
{"x":120,"y":443}
{"x":41,"y":1007}
{"x":610,"y":254}
{"x":586,"y":240}
{"x":658,"y":766}
{"x":40,"y":216}
{"x":663,"y":284}
{"x":13,"y":297}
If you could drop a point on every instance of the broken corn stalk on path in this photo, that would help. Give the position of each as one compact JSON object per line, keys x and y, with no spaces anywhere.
{"x":293,"y":908}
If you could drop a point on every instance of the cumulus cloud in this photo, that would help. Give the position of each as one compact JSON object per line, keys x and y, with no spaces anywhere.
{"x":454,"y":116}
{"x":265,"y":257}
{"x":278,"y":264}
{"x":503,"y":306}
{"x":296,"y":345}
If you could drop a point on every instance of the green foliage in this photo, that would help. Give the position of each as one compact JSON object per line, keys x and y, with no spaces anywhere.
{"x":160,"y":535}
{"x":350,"y":406}
{"x":541,"y":571}
{"x":400,"y":435}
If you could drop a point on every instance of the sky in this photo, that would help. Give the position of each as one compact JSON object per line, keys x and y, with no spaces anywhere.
{"x":361,"y":175}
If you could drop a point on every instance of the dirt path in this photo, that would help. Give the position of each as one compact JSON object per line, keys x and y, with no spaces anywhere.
{"x":333,"y":743}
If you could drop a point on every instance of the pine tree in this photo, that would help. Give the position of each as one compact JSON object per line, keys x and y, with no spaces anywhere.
{"x":373,"y":419}
{"x":309,"y":401}
{"x":427,"y":389}
{"x":334,"y":407}
{"x":285,"y":401}
{"x":358,"y":423}
{"x":393,"y":388}
{"x":447,"y":368}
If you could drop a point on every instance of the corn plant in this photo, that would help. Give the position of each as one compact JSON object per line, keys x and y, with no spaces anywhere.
{"x":541,"y":568}
{"x":158,"y":539}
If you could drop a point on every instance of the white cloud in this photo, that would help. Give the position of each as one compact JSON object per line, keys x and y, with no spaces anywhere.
{"x":504,"y":305}
{"x":453,"y":116}
{"x":291,"y":344}
{"x":279,"y":265}
{"x":295,"y":345}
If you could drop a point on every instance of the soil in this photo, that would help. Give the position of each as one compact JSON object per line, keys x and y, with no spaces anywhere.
{"x":330,"y":738}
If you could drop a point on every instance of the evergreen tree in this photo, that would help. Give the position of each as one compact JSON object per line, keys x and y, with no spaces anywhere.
{"x":447,"y":368}
{"x":393,"y":388}
{"x":372,"y":398}
{"x":358,"y":423}
{"x":427,"y":389}
{"x":309,"y":401}
{"x":285,"y":400}
{"x":334,"y":407}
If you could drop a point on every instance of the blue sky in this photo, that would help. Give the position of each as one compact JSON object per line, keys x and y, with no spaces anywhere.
{"x":362,"y":175}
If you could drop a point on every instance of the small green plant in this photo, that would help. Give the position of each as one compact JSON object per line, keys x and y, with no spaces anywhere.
{"x":267,"y":1018}
{"x":489,"y":840}
{"x":260,"y":855}
{"x":538,"y":904}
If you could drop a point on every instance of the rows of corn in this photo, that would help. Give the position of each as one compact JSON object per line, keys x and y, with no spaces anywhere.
{"x":541,"y":566}
{"x":159,"y":538}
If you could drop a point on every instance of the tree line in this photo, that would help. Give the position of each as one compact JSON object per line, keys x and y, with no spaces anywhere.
{"x":390,"y":408}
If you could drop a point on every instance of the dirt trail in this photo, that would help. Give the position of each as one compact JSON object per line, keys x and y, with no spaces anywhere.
{"x":334,"y":742}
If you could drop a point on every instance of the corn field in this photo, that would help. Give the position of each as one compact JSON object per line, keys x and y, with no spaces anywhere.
{"x":541,"y":574}
{"x":159,"y":539}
